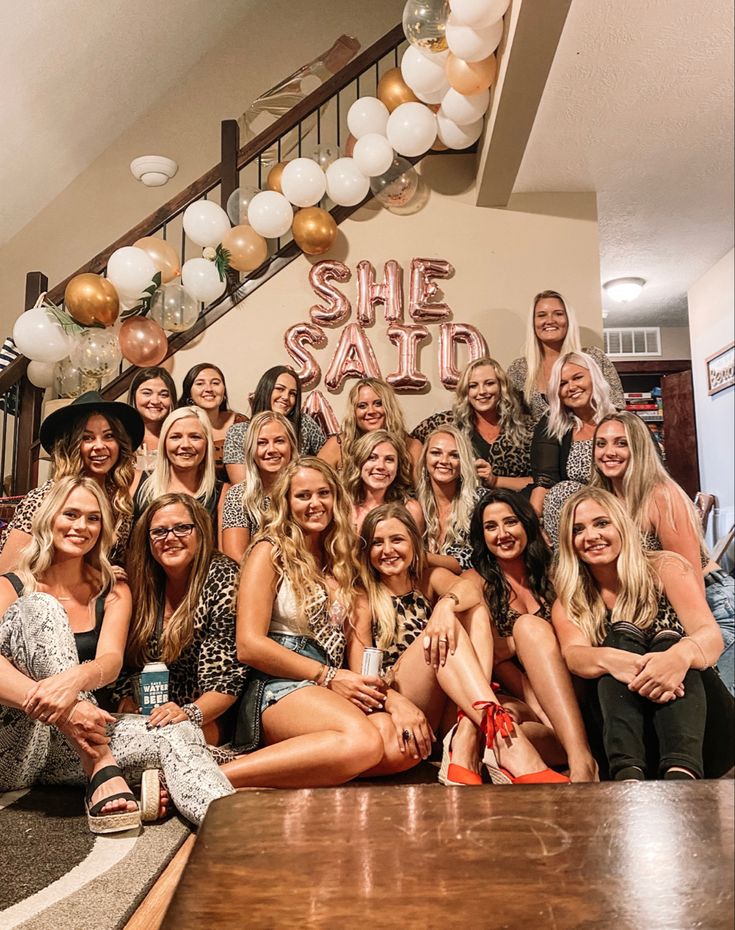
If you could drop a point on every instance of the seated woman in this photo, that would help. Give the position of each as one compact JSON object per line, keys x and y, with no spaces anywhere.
{"x":277,"y":391}
{"x":378,"y":472}
{"x":184,"y":595}
{"x":561,"y":451}
{"x":552,"y":331}
{"x":627,"y":464}
{"x":90,"y":437}
{"x":185,"y":465}
{"x":303,"y":709}
{"x":52,"y":661}
{"x":512,"y":569}
{"x":638,"y":623}
{"x":448,"y":491}
{"x":204,"y":387}
{"x":270,"y":444}
{"x":372,"y":404}
{"x":491,"y":413}
{"x":153,"y":394}
{"x":436,"y":643}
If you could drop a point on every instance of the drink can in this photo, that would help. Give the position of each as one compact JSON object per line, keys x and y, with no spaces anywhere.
{"x":153,"y":686}
{"x":372,"y":660}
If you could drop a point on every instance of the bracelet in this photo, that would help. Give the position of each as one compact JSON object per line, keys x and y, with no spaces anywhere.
{"x":701,"y":652}
{"x":319,"y":677}
{"x":194,"y":713}
{"x":329,"y":676}
{"x":452,"y":595}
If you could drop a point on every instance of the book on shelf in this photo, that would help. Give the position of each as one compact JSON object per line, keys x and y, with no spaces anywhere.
{"x":636,"y":407}
{"x":637,"y":395}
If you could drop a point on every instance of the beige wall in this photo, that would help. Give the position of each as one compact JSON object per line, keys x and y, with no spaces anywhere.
{"x":675,"y":342}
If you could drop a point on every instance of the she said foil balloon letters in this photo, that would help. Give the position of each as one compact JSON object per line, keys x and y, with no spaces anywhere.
{"x":338,"y":308}
{"x":317,"y":406}
{"x":407,"y":339}
{"x":452,"y":335}
{"x":298,"y":336}
{"x":353,"y":358}
{"x":423,"y":306}
{"x":370,"y":293}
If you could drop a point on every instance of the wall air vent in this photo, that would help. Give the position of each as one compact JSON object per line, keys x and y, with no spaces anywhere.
{"x":633,"y":341}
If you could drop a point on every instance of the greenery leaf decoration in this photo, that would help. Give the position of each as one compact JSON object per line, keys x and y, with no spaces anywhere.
{"x":222,"y":261}
{"x":65,"y":321}
{"x":142,"y":308}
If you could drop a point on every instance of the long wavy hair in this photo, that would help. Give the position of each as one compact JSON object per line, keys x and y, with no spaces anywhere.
{"x":160,"y":478}
{"x":644,"y":474}
{"x":150,"y":374}
{"x":536,"y":556}
{"x":291,"y":557}
{"x":464,"y":500}
{"x":379,"y":597}
{"x":39,"y":554}
{"x":188,"y":382}
{"x":253,"y":495}
{"x":533,"y":350}
{"x":561,"y":420}
{"x":401,"y":489}
{"x":576,"y":588}
{"x":394,"y":421}
{"x":148,"y":585}
{"x":66,"y":459}
{"x":261,"y":399}
{"x":515,"y":421}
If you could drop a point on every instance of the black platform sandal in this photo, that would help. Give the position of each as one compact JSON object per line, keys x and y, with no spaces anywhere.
{"x":113,"y":822}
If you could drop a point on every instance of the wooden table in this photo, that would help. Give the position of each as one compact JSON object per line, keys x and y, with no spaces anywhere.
{"x":640,"y":856}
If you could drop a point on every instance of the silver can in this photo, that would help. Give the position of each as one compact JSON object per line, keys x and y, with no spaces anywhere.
{"x":153,"y":686}
{"x":372,"y":661}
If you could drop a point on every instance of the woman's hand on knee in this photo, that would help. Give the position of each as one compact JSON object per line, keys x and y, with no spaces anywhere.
{"x":625,"y":666}
{"x":367,"y":693}
{"x":440,"y":634}
{"x":51,"y":698}
{"x":86,"y":726}
{"x":413,"y":731}
{"x":661,"y":673}
{"x":163,"y":714}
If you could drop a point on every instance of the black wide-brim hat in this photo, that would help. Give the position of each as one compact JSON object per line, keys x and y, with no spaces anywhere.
{"x":63,"y":420}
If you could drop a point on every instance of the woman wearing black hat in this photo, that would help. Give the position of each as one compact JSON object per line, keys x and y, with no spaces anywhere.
{"x":91,"y":437}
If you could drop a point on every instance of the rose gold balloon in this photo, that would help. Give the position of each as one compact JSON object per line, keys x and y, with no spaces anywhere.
{"x":350,"y":145}
{"x":317,"y":406}
{"x":90,"y":299}
{"x":247,"y":249}
{"x":163,"y":255}
{"x":338,"y":307}
{"x":393,"y":90}
{"x":389,"y":293}
{"x":407,"y":339}
{"x":295,"y":338}
{"x":471,"y":77}
{"x":353,"y":358}
{"x":450,"y":336}
{"x":273,"y":181}
{"x":423,"y":291}
{"x":314,"y":230}
{"x":142,"y":342}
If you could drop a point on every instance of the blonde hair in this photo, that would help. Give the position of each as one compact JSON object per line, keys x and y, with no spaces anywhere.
{"x":291,"y":557}
{"x":532,"y":349}
{"x":401,"y":488}
{"x":380,"y":603}
{"x":464,"y":500}
{"x":394,"y":421}
{"x":160,"y":478}
{"x":562,"y":420}
{"x":514,"y":420}
{"x":253,"y":495}
{"x":576,"y":588}
{"x":39,"y":554}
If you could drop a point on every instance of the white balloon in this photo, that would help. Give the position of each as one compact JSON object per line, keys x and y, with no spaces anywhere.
{"x":346,"y":184}
{"x":39,"y":337}
{"x":411,"y":129}
{"x":367,"y":114}
{"x":463,"y":110}
{"x":303,"y":182}
{"x":270,"y":214}
{"x":458,"y":137}
{"x":473,"y":44}
{"x":422,"y":73}
{"x":201,"y":279}
{"x":41,"y":373}
{"x":478,"y":13}
{"x":130,"y":271}
{"x":436,"y":96}
{"x":373,"y":154}
{"x":205,"y":223}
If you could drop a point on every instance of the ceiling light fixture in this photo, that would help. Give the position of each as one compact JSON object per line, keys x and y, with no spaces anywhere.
{"x":623,"y":290}
{"x":153,"y":170}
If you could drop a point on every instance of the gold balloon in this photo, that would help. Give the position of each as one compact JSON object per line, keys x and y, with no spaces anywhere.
{"x":425,"y":24}
{"x":163,"y":255}
{"x":314,"y":230}
{"x":247,"y":249}
{"x":471,"y":77}
{"x":393,"y":90}
{"x":273,"y":181}
{"x":90,"y":300}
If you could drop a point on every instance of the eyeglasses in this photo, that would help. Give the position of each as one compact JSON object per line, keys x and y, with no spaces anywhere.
{"x":180,"y":531}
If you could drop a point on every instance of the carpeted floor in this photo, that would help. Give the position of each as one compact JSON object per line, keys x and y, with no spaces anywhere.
{"x":56,"y":875}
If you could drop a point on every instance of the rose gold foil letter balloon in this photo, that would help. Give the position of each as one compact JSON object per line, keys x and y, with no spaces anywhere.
{"x":353,"y":358}
{"x":295,"y":338}
{"x":389,"y":293}
{"x":450,"y":336}
{"x":422,"y":304}
{"x":407,"y":339}
{"x":317,"y":406}
{"x":338,"y":307}
{"x":142,"y":342}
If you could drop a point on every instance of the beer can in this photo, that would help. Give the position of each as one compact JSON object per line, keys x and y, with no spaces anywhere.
{"x":153,"y":686}
{"x":372,"y":660}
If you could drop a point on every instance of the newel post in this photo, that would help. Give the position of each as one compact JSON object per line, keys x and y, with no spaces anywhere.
{"x":230,"y":143}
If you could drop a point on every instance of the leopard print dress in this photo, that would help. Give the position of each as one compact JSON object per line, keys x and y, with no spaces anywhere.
{"x":579,"y":472}
{"x":413,"y":612}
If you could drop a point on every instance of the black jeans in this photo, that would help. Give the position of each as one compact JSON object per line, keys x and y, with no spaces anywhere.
{"x":678,"y":725}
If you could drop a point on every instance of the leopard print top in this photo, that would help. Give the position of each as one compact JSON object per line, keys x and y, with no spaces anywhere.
{"x":233,"y":514}
{"x":412,"y":614}
{"x":666,"y":619}
{"x":504,"y":625}
{"x":651,"y":542}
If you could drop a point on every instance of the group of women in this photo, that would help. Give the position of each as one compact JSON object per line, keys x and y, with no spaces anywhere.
{"x":259,"y":560}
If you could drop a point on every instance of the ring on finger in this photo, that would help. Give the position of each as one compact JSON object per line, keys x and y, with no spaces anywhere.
{"x":406,"y":735}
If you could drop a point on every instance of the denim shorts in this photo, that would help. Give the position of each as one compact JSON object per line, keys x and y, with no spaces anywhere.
{"x":277,"y":688}
{"x":719,"y":589}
